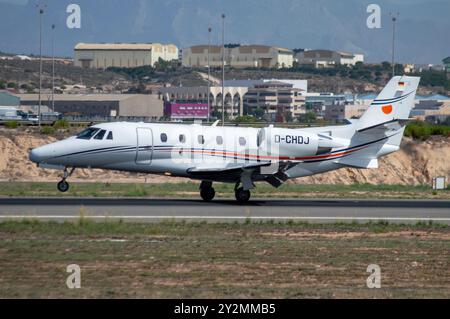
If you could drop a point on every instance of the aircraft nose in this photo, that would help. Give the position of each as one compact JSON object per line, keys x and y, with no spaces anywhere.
{"x":37,"y":155}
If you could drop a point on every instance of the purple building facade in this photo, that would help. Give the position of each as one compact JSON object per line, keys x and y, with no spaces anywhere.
{"x":178,"y":110}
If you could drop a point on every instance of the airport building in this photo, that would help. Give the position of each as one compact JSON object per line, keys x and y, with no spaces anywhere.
{"x":192,"y":102}
{"x":242,"y":97}
{"x":337,"y":113}
{"x":277,"y":99}
{"x":327,"y":58}
{"x":240,"y":56}
{"x":104,"y":55}
{"x":297,"y":84}
{"x":435,"y":107}
{"x":91,"y":106}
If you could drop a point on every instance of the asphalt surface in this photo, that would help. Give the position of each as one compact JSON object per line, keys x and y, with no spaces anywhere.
{"x":330,"y":210}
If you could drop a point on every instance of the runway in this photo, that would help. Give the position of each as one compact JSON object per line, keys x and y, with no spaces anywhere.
{"x":148,"y":210}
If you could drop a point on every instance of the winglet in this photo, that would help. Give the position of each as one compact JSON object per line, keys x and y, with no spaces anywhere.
{"x":215,"y":123}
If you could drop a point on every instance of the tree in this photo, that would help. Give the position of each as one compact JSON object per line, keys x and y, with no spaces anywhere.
{"x":309,"y":117}
{"x":245,"y":119}
{"x":386,"y":65}
{"x":258,"y":113}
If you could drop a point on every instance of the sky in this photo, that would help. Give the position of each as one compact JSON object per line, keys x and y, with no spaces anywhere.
{"x":423,"y":27}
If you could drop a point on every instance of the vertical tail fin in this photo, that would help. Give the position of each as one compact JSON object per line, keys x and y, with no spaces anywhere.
{"x":393,"y":103}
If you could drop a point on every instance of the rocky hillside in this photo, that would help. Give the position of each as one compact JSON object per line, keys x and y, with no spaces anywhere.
{"x":416,"y":163}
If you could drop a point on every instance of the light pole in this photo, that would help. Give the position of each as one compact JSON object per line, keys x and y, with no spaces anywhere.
{"x":394,"y":20}
{"x":209,"y":70}
{"x":41,"y":12}
{"x":223,"y":69}
{"x":53,"y":67}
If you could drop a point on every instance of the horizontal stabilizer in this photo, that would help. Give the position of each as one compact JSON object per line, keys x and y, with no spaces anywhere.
{"x":358,"y":162}
{"x":381,"y":128}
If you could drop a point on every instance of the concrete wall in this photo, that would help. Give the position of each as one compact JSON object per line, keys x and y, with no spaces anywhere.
{"x":132,"y":105}
{"x":102,"y":59}
{"x":142,"y":105}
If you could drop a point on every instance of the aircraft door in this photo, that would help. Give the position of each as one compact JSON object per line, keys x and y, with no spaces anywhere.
{"x":144,"y":150}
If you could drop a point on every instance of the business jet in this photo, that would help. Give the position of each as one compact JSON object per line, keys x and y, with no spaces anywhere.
{"x":238,"y":155}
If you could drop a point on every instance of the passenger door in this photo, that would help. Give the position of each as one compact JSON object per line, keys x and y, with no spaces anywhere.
{"x":144,"y":150}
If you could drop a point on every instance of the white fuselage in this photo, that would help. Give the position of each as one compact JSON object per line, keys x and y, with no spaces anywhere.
{"x":173,"y":149}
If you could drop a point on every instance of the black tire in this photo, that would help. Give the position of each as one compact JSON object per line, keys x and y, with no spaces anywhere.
{"x":242,"y":196}
{"x":207,"y":194}
{"x":63,"y":186}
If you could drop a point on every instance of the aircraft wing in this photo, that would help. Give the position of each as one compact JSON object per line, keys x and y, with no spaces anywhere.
{"x":227,"y":169}
{"x":275,"y":175}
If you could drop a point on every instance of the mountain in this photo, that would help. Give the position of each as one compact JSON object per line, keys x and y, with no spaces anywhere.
{"x":422,"y":37}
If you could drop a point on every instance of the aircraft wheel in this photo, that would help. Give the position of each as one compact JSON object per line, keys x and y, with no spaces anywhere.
{"x":242,"y":196}
{"x":63,"y":186}
{"x":207,"y":194}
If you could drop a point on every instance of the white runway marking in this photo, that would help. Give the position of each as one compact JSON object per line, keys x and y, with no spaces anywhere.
{"x":226,"y":217}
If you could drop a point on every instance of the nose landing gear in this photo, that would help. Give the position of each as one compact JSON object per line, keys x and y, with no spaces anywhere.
{"x":63,"y":186}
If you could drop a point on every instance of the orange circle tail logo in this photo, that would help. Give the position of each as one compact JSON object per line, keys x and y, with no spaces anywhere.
{"x":387,"y":109}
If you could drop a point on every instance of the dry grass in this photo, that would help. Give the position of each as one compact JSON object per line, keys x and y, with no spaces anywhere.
{"x":199,"y":260}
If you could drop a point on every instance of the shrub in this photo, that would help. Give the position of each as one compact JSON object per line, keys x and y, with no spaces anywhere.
{"x":59,"y":124}
{"x":47,"y":130}
{"x":11,"y":124}
{"x":421,"y":130}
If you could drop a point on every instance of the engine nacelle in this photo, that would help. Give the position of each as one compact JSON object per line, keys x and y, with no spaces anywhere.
{"x":289,"y":143}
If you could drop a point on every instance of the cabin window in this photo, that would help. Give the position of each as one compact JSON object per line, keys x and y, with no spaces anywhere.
{"x":242,"y":141}
{"x":201,"y":139}
{"x":100,"y":135}
{"x":110,"y":135}
{"x":164,"y":137}
{"x":219,"y":140}
{"x":182,"y":138}
{"x":88,"y":133}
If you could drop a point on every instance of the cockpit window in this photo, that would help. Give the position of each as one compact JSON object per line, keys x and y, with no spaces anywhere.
{"x":110,"y":135}
{"x":88,"y":133}
{"x":100,"y":135}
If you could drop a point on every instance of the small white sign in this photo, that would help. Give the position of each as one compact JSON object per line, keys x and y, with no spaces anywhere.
{"x":439,"y":183}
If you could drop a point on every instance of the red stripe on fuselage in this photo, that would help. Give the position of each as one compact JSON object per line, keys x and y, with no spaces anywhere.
{"x":259,"y":157}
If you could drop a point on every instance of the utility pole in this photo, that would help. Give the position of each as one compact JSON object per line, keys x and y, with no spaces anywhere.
{"x":53,"y":68}
{"x":41,"y":12}
{"x":223,"y":69}
{"x":394,"y":20}
{"x":209,"y":71}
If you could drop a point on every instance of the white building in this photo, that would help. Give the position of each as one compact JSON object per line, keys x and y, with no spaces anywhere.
{"x":242,"y":56}
{"x":327,"y":58}
{"x":104,"y":55}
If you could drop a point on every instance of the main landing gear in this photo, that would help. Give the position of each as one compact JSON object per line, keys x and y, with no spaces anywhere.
{"x":63,"y":186}
{"x":242,"y":196}
{"x":207,"y":193}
